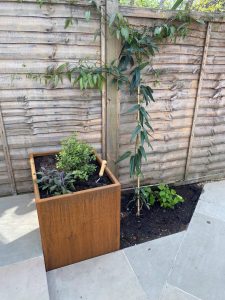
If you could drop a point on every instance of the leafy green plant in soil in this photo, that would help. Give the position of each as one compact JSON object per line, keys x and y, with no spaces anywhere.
{"x":55,"y":182}
{"x":76,"y":157}
{"x":74,"y":163}
{"x":167,"y":197}
{"x":139,"y":44}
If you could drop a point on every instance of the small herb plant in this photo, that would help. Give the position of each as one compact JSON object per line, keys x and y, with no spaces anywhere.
{"x":167,"y":197}
{"x":74,"y":163}
{"x":55,"y":182}
{"x":147,"y":196}
{"x":76,"y":157}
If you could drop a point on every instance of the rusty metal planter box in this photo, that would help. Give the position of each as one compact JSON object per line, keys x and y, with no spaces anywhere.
{"x":78,"y":226}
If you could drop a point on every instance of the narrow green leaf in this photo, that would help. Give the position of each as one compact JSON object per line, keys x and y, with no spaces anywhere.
{"x":132,"y":166}
{"x":143,"y":153}
{"x":135,"y":132}
{"x":143,"y":65}
{"x":177,"y":4}
{"x":133,"y":108}
{"x":125,"y":33}
{"x":124,"y":156}
{"x":68,"y":22}
{"x":144,"y":112}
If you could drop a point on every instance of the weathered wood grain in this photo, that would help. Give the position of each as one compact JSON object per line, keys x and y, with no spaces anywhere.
{"x":113,"y":49}
{"x":37,"y":117}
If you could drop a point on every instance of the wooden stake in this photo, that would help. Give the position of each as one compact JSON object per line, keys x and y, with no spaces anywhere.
{"x":198,"y":96}
{"x":7,"y":154}
{"x":104,"y":98}
{"x":113,"y":48}
{"x":138,"y":178}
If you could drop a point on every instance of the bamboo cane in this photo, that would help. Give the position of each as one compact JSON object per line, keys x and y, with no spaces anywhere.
{"x":138,"y":178}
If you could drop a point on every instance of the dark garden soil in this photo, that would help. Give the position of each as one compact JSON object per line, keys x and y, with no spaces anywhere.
{"x":152,"y":224}
{"x":157,"y":222}
{"x":49,"y":162}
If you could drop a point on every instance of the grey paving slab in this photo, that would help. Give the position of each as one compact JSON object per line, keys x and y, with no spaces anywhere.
{"x":108,"y":277}
{"x":172,"y":293}
{"x":211,"y":209}
{"x":200,"y":265}
{"x":24,"y":281}
{"x":212,"y":200}
{"x":19,"y":229}
{"x":152,"y":262}
{"x":214,"y":192}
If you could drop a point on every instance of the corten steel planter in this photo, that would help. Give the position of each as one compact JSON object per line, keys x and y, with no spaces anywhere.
{"x":78,"y":226}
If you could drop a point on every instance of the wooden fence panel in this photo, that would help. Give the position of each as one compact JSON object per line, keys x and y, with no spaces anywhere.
{"x":188,"y":116}
{"x":37,"y":117}
{"x":208,"y":153}
{"x":172,"y":113}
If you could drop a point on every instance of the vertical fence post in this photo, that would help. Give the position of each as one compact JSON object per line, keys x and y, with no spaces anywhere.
{"x":113,"y":103}
{"x":103,"y":62}
{"x":198,"y":96}
{"x":7,"y":154}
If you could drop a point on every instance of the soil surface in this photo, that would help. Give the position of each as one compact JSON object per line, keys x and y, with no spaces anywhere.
{"x":157,"y":222}
{"x":49,"y":162}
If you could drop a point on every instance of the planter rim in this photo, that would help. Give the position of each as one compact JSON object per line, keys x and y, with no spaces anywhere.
{"x":113,"y":179}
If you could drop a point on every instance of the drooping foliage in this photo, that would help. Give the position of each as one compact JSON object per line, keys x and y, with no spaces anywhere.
{"x":139,"y":44}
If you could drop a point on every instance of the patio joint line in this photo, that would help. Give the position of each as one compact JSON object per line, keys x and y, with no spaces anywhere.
{"x":173,"y":263}
{"x":184,"y":292}
{"x":132,"y":269}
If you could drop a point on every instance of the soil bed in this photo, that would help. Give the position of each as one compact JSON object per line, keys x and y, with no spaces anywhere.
{"x":157,"y":222}
{"x":49,"y":162}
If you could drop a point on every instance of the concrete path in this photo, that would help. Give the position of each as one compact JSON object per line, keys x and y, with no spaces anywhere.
{"x":22,"y":269}
{"x":184,"y":266}
{"x":199,"y":268}
{"x":136,"y":273}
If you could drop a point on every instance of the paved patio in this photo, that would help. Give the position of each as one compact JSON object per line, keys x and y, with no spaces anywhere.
{"x":185,"y":266}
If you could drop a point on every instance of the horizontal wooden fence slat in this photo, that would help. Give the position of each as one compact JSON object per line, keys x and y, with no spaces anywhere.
{"x":37,"y":117}
{"x":55,"y":10}
{"x":37,"y":24}
{"x":57,"y":38}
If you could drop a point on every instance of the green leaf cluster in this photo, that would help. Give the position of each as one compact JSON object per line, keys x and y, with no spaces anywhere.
{"x":139,"y":44}
{"x":141,"y":135}
{"x":167,"y":197}
{"x":77,"y":158}
{"x":147,"y":196}
{"x":55,"y":182}
{"x":85,"y":75}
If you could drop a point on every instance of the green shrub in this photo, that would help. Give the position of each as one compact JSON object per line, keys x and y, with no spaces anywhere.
{"x":54,"y":182}
{"x":76,"y":157}
{"x":147,"y":196}
{"x":167,"y":197}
